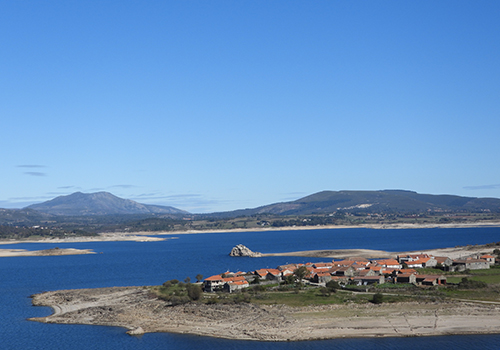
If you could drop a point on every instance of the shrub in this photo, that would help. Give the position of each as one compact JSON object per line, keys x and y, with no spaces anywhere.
{"x":242,"y":298}
{"x":194,"y":291}
{"x":170,"y":283}
{"x":179,"y":300}
{"x":471,"y":284}
{"x":332,"y":286}
{"x":325,"y":291}
{"x":378,"y":298}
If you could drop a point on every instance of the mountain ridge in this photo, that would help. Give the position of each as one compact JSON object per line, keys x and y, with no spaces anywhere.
{"x":382,"y":201}
{"x":99,"y":203}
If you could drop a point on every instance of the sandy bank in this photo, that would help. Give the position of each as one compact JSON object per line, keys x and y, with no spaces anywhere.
{"x":102,"y":237}
{"x":135,"y":309}
{"x":322,"y":227}
{"x":157,"y":235}
{"x":45,"y":252}
{"x":453,"y":253}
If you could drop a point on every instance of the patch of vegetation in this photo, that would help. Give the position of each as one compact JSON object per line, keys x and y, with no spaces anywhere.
{"x":467,"y":283}
{"x":378,"y":298}
{"x":177,"y":293}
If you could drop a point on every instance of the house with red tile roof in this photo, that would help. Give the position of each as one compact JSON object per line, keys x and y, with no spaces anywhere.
{"x":406,"y":278}
{"x":322,"y":277}
{"x":213,"y":282}
{"x":488,"y":258}
{"x":390,"y":263}
{"x":323,"y":265}
{"x":343,"y":271}
{"x":412,"y":257}
{"x":430,"y":280}
{"x":343,"y":263}
{"x":366,"y":280}
{"x":274,"y":275}
{"x":261,"y":273}
{"x":232,"y":286}
{"x":443,"y":260}
{"x":366,"y":272}
{"x":422,"y":262}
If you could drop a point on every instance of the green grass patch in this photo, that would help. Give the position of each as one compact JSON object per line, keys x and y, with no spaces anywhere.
{"x":488,"y":278}
{"x":453,"y":279}
{"x":429,"y":271}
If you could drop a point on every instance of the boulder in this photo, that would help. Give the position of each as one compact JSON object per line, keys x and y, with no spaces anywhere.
{"x":241,"y":250}
{"x":136,"y":331}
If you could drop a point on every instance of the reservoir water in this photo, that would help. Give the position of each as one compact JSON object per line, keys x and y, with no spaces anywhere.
{"x":180,"y":256}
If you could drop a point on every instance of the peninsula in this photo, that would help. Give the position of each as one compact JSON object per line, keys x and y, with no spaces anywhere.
{"x":268,"y":310}
{"x":135,"y":309}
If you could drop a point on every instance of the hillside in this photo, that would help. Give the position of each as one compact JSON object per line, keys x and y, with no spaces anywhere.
{"x":24,"y":217}
{"x":99,"y":203}
{"x":386,"y":201}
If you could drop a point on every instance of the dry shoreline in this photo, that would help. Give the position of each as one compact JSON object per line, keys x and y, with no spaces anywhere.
{"x":156,"y":235}
{"x":452,"y":253}
{"x":46,"y":252}
{"x":136,"y":310}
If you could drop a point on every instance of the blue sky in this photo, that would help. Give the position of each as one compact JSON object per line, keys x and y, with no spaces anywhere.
{"x":220,"y":105}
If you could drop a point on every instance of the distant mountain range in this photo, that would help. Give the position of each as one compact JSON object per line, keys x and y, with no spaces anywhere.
{"x":386,"y":201}
{"x":115,"y":209}
{"x":99,"y":203}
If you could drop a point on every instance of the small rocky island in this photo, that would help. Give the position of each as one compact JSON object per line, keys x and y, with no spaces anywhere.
{"x":241,"y":250}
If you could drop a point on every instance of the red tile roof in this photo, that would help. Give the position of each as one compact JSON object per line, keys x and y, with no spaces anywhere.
{"x":214,"y":278}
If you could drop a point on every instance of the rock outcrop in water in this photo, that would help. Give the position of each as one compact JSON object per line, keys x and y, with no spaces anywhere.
{"x":241,"y":250}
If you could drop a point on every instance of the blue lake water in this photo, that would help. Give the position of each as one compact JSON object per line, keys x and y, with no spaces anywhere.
{"x":152,"y":263}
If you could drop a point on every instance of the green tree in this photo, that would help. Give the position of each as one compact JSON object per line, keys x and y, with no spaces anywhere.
{"x":290,"y":279}
{"x":194,"y":291}
{"x":199,"y":277}
{"x":301,"y":272}
{"x":256,"y":280}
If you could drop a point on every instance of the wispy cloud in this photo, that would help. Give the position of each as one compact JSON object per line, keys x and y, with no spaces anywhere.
{"x":483,"y":187}
{"x":122,"y":186}
{"x":69,"y":187}
{"x":35,"y":173}
{"x":31,"y":166}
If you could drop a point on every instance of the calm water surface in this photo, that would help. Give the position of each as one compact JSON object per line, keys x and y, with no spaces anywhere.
{"x":151,"y":263}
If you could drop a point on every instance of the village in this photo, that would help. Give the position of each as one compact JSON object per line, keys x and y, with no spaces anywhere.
{"x":354,"y":271}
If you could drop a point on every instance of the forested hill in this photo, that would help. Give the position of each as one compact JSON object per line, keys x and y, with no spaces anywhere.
{"x":386,"y":201}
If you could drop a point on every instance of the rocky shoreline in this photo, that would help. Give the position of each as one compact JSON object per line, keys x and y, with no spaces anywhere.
{"x":139,"y":311}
